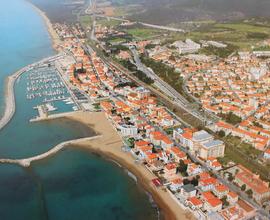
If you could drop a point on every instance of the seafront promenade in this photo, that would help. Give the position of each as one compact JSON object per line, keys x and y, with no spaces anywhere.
{"x":10,"y":102}
{"x":26,"y":162}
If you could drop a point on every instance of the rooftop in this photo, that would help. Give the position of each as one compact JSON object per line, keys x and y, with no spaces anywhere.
{"x":189,"y":188}
{"x":201,"y":135}
{"x":212,"y":143}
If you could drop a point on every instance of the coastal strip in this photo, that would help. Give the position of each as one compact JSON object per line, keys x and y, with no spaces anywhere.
{"x":108,"y":144}
{"x":56,"y":42}
{"x":27,"y":161}
{"x":10,"y":102}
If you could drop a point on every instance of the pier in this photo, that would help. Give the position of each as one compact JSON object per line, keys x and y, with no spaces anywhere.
{"x":10,"y":103}
{"x":44,"y":117}
{"x":27,"y":161}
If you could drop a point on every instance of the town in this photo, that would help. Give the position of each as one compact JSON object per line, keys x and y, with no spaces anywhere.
{"x":187,"y":161}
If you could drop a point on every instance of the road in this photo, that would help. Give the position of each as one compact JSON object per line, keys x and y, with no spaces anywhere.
{"x":231,"y":186}
{"x":165,"y":99}
{"x":165,"y":28}
{"x":167,"y":89}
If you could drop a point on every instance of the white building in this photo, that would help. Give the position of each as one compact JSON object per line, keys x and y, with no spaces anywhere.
{"x":128,"y":130}
{"x":188,"y":46}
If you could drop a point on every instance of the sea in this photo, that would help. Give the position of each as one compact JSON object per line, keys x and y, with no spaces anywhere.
{"x":73,"y":184}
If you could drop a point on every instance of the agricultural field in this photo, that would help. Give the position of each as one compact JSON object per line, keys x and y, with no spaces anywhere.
{"x":108,"y":22}
{"x":86,"y":21}
{"x":241,"y":35}
{"x":144,"y":33}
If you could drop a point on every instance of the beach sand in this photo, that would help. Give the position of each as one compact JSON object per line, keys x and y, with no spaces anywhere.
{"x":110,"y":146}
{"x":56,"y":42}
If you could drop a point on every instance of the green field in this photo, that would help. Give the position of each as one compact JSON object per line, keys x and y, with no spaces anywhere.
{"x":143,"y":33}
{"x":117,"y":40}
{"x":86,"y":21}
{"x":108,"y":22}
{"x":245,"y":36}
{"x":127,"y":10}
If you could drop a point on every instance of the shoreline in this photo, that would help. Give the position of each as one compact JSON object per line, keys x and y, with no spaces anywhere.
{"x":56,"y":42}
{"x":109,"y":147}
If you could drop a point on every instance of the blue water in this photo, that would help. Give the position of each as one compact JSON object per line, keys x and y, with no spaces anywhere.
{"x":73,"y":184}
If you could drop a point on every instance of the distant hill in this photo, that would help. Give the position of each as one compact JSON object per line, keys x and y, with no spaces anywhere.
{"x":172,"y":11}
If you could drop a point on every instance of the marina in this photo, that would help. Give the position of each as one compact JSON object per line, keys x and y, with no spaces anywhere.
{"x":47,"y":92}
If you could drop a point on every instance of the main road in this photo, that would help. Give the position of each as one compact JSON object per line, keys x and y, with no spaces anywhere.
{"x":165,"y":28}
{"x":170,"y":91}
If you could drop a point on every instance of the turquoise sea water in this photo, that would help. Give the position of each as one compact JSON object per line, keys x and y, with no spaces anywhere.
{"x":73,"y":184}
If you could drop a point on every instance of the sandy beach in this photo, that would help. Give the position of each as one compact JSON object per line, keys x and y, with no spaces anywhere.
{"x":56,"y":42}
{"x":110,"y":146}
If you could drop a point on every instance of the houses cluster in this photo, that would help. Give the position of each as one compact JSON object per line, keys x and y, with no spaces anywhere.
{"x":142,"y":123}
{"x":185,"y":64}
{"x":237,"y":86}
{"x":66,"y":31}
{"x":249,"y":183}
{"x":200,"y":143}
{"x":102,"y":32}
{"x":144,"y":126}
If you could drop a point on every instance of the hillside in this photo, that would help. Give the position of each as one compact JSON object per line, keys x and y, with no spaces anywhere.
{"x":173,"y":11}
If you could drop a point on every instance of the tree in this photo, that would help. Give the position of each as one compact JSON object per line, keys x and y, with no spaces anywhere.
{"x":233,"y":119}
{"x":224,"y":201}
{"x":221,"y":133}
{"x":182,"y":168}
{"x":250,"y":193}
{"x":243,"y":187}
{"x":186,"y":181}
{"x":194,"y":181}
{"x":230,"y":178}
{"x":154,"y":150}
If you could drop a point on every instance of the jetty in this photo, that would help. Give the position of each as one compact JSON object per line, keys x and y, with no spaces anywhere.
{"x":43,"y":117}
{"x":10,"y":104}
{"x":26,"y":162}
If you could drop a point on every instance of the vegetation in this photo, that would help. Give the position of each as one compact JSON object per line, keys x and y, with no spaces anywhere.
{"x":250,"y":193}
{"x":108,"y":22}
{"x":220,"y":52}
{"x":231,"y":118}
{"x":130,"y":142}
{"x":257,"y":35}
{"x":221,"y":134}
{"x":139,"y":74}
{"x":238,"y":152}
{"x":143,"y":33}
{"x":262,"y":48}
{"x":131,"y":84}
{"x":237,"y":35}
{"x":182,"y":168}
{"x":143,"y":77}
{"x":165,"y":72}
{"x":243,"y":187}
{"x":224,"y":201}
{"x":85,"y":21}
